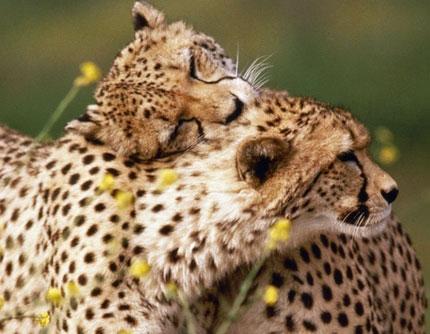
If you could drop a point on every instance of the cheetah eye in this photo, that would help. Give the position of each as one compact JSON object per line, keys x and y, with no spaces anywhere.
{"x":239,"y":105}
{"x":193,"y":70}
{"x":348,"y":157}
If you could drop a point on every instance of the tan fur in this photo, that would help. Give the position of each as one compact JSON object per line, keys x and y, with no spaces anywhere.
{"x":150,"y":88}
{"x":280,"y":157}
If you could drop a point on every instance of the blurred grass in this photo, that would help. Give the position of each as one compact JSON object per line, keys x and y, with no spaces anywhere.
{"x":371,"y":57}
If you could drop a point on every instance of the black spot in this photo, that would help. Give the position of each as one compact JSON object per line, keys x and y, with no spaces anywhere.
{"x":342,"y":318}
{"x":100,"y":207}
{"x":89,"y":314}
{"x":74,"y":178}
{"x":92,"y":230}
{"x":158,"y":208}
{"x":326,"y":317}
{"x":177,"y":218}
{"x":358,"y":330}
{"x":277,"y":280}
{"x":304,"y":255}
{"x":307,"y":300}
{"x":66,"y":169}
{"x":270,"y":311}
{"x":166,"y":229}
{"x":309,"y":325}
{"x":346,"y":300}
{"x":96,"y":292}
{"x":290,"y":264}
{"x":338,"y":277}
{"x":316,"y":250}
{"x":88,"y":159}
{"x":289,"y":323}
{"x":89,"y":257}
{"x":324,"y":240}
{"x":131,"y":320}
{"x":291,"y":296}
{"x":108,"y":157}
{"x":82,"y":279}
{"x":327,"y":268}
{"x":358,"y":307}
{"x":309,"y":278}
{"x":327,"y":293}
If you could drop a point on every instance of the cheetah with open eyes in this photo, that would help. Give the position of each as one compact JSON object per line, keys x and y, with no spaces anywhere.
{"x":160,"y":87}
{"x":352,"y":271}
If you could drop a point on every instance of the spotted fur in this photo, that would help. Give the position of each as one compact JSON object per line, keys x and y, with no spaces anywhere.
{"x":279,"y":157}
{"x":195,"y":233}
{"x":160,"y":87}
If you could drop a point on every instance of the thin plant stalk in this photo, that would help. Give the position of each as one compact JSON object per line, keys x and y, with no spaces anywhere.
{"x":189,"y":318}
{"x":58,"y":112}
{"x":240,"y":299}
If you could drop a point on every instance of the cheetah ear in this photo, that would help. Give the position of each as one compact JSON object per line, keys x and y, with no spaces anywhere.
{"x":146,"y":16}
{"x":257,"y":159}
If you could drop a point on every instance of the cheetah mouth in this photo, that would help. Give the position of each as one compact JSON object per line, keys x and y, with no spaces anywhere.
{"x":356,"y":216}
{"x":361,"y":217}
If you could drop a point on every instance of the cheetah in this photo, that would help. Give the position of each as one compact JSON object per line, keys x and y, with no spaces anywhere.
{"x":263,"y":161}
{"x":160,"y":86}
{"x":344,"y":270}
{"x":231,"y":190}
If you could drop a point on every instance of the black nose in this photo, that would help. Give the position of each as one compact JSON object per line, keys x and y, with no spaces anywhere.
{"x":391,"y":195}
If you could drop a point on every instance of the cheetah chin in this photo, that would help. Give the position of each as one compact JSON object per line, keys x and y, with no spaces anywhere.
{"x":303,"y":229}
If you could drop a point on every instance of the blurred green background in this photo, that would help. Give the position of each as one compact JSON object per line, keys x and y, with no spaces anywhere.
{"x":373,"y":57}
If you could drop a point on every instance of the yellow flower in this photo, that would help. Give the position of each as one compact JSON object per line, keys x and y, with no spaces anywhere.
{"x":279,"y":232}
{"x":171,"y":290}
{"x":53,"y":295}
{"x":114,"y":247}
{"x":271,"y":295}
{"x":384,"y":135}
{"x":388,"y":155}
{"x":166,"y":178}
{"x":90,"y":73}
{"x":124,"y":331}
{"x":139,"y":268}
{"x":72,"y":289}
{"x":124,"y":199}
{"x":43,"y":319}
{"x":107,"y":183}
{"x":2,"y":302}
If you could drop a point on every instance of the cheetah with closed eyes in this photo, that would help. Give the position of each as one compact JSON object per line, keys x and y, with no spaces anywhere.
{"x":259,"y":163}
{"x":164,"y":81}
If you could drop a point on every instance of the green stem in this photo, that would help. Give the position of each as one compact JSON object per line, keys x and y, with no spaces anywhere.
{"x":58,"y":112}
{"x":189,"y":318}
{"x":240,"y":299}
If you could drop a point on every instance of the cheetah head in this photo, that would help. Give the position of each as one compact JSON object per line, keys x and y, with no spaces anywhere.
{"x":296,"y":158}
{"x":280,"y":157}
{"x":161,"y":85}
{"x":309,"y":161}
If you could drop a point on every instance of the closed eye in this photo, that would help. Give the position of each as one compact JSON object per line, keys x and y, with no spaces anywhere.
{"x":351,"y":160}
{"x":348,"y":156}
{"x":239,"y":105}
{"x":193,"y":71}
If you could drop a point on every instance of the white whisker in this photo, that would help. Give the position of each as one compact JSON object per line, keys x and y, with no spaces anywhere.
{"x":237,"y":60}
{"x":255,"y":74}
